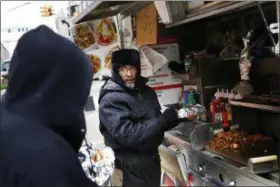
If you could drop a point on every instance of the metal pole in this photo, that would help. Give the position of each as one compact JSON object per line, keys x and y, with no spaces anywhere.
{"x":265,"y":23}
{"x":278,"y":21}
{"x":14,"y":8}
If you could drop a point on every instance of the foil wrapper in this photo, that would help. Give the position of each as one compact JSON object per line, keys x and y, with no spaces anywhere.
{"x":98,"y":165}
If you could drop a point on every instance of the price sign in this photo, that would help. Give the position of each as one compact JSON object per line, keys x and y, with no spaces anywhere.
{"x":146,"y":26}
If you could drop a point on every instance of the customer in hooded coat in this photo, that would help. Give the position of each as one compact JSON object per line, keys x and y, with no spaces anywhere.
{"x":132,"y":123}
{"x":42,"y":118}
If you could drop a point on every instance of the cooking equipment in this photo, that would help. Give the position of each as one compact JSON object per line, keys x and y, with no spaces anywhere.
{"x":205,"y":168}
{"x":264,"y":164}
{"x":246,"y":152}
{"x":274,"y":177}
{"x":184,"y":129}
{"x":203,"y":132}
{"x":201,"y":135}
{"x":219,"y":172}
{"x":169,"y":162}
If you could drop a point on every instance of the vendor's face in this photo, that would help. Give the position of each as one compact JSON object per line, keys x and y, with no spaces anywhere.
{"x":128,"y":74}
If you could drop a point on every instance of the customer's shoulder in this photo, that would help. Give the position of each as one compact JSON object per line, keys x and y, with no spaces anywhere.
{"x":114,"y":97}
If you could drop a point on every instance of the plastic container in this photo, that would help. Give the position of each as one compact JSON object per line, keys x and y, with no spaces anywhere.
{"x":188,"y":63}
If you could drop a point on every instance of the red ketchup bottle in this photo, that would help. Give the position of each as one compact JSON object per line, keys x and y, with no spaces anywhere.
{"x":215,"y":109}
{"x":226,"y":125}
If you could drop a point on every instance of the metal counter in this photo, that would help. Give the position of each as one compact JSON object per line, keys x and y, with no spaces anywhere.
{"x":209,"y":169}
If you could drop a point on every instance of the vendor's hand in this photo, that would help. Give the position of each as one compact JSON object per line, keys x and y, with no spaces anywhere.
{"x":182,"y":114}
{"x":192,"y":117}
{"x":171,"y":117}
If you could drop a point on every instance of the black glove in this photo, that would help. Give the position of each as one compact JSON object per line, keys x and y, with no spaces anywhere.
{"x":171,"y":117}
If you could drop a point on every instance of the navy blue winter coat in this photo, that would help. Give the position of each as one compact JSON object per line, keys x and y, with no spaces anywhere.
{"x":42,"y":118}
{"x":130,"y":119}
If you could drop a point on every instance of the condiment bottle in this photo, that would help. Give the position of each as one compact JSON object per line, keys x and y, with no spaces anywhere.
{"x":217,"y":94}
{"x":217,"y":110}
{"x":225,"y":124}
{"x":222,"y":94}
{"x":231,"y":95}
{"x":226,"y":95}
{"x":228,"y":109}
{"x":182,"y":100}
{"x":212,"y":109}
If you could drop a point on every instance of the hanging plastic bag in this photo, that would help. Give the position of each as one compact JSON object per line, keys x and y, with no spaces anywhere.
{"x":146,"y":66}
{"x":244,"y":87}
{"x":156,"y":59}
{"x":245,"y":59}
{"x":275,"y":29}
{"x":151,"y":61}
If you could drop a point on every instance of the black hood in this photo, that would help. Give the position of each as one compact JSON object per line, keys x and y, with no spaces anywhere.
{"x":49,"y":82}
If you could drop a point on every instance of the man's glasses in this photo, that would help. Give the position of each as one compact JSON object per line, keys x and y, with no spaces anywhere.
{"x":125,"y":69}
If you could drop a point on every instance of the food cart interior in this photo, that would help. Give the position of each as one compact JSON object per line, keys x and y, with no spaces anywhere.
{"x":200,"y":152}
{"x":255,"y":115}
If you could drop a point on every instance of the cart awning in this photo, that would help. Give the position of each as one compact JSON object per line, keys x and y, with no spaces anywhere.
{"x":215,"y":8}
{"x":102,"y":9}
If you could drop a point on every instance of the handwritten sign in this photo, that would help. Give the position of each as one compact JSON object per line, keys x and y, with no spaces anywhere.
{"x":146,"y":26}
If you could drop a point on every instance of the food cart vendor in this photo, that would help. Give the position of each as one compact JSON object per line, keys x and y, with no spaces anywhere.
{"x":132,"y":123}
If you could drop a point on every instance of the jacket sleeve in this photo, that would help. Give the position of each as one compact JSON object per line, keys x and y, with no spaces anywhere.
{"x":58,"y":167}
{"x":115,"y":116}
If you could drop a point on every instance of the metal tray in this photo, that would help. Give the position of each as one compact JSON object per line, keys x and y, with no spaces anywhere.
{"x":242,"y":155}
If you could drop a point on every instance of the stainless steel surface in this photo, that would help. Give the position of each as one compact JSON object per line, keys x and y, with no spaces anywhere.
{"x":275,"y":177}
{"x":221,"y":173}
{"x":209,"y":6}
{"x":182,"y":163}
{"x":201,"y":135}
{"x":210,"y":169}
{"x":102,"y":9}
{"x":81,"y":15}
{"x":278,"y":20}
{"x":217,"y":86}
{"x":198,"y":180}
{"x":243,"y":154}
{"x":267,"y":164}
{"x":184,"y":130}
{"x":134,"y":7}
{"x":169,"y":162}
{"x":274,"y":109}
{"x":193,"y":17}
